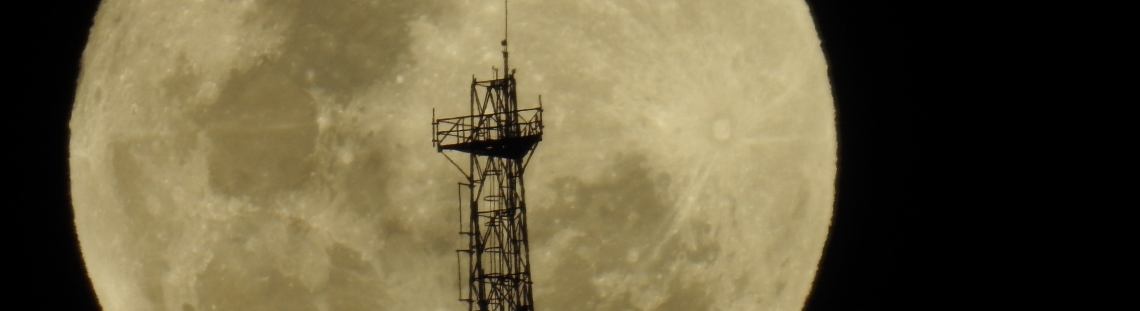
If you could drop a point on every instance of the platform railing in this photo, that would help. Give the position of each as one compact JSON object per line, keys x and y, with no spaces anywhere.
{"x":487,"y":127}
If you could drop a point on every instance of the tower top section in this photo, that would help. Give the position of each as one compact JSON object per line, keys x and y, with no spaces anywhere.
{"x":495,"y":127}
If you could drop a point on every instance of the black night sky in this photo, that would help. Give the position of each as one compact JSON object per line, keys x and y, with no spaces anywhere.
{"x":931,"y":162}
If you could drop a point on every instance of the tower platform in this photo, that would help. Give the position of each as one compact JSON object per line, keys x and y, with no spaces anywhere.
{"x":510,"y":134}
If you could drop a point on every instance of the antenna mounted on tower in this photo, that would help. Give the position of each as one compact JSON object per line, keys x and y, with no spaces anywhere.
{"x":506,"y":15}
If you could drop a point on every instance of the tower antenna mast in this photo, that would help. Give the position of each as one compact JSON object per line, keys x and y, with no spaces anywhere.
{"x":498,"y":139}
{"x":506,"y":15}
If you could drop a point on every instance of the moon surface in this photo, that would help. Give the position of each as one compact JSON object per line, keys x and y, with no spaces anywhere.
{"x":276,"y":155}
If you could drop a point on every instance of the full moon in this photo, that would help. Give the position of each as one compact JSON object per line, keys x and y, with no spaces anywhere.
{"x":277,"y":155}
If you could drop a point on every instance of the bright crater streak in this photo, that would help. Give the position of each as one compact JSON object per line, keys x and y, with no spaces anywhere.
{"x":275,"y":155}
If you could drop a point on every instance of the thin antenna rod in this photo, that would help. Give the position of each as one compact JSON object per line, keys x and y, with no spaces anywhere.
{"x":506,"y":65}
{"x":506,"y":14}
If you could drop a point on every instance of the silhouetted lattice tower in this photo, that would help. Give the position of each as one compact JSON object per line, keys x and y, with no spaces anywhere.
{"x":499,"y":138}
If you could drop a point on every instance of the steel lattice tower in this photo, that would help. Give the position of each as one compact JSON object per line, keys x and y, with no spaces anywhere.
{"x":499,"y":140}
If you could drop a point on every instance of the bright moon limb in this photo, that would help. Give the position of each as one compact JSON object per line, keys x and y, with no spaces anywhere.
{"x":274,"y":155}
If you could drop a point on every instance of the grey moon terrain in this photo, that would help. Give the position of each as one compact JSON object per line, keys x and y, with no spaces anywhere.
{"x":277,"y":155}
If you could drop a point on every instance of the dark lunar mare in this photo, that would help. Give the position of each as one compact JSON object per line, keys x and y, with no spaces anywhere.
{"x":263,"y":139}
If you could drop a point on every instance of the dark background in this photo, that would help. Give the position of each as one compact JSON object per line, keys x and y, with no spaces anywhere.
{"x":940,"y":190}
{"x":936,"y":190}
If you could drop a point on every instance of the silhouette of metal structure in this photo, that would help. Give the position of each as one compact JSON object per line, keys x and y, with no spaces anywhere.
{"x":499,"y":139}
